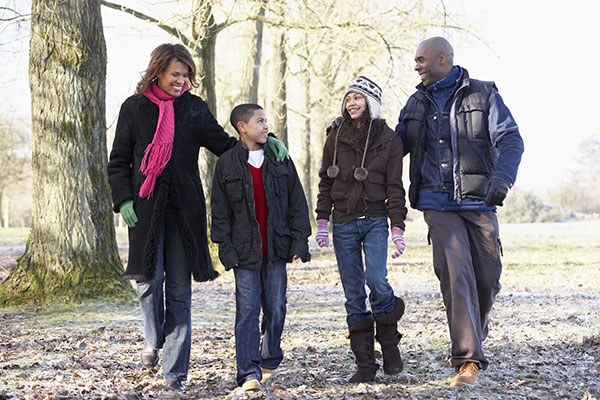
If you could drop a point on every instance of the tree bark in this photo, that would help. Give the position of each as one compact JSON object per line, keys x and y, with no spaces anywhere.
{"x":206,"y":54}
{"x":257,"y":56}
{"x":280,"y":104}
{"x":307,"y":142}
{"x":71,"y":252}
{"x":5,"y":201}
{"x":3,"y":222}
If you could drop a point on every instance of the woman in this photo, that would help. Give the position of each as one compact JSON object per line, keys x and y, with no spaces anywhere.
{"x":361,"y":179}
{"x":155,"y":182}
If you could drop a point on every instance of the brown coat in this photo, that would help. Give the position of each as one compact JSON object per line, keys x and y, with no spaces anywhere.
{"x":380,"y":195}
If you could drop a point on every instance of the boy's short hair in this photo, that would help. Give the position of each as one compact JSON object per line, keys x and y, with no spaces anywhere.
{"x":242,"y":112}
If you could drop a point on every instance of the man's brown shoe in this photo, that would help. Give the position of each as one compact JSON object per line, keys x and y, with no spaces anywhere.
{"x":467,"y":375}
{"x":149,"y":357}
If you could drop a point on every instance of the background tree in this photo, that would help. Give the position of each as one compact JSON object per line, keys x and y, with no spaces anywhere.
{"x":71,"y":252}
{"x":590,"y":160}
{"x":279,"y":101}
{"x":15,"y":153}
{"x":580,"y":193}
{"x":523,"y":206}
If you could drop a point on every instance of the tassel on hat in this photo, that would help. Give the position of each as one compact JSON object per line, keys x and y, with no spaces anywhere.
{"x":370,"y":90}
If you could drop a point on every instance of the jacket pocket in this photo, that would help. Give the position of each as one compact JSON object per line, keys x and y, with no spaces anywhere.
{"x":282,"y":241}
{"x":280,"y":177}
{"x":234,"y":185}
{"x":472,"y":119}
{"x":241,"y":242}
{"x":340,"y":188}
{"x":376,"y":188}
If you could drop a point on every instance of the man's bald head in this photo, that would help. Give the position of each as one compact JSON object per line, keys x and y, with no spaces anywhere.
{"x":439,"y":46}
{"x":434,"y":59}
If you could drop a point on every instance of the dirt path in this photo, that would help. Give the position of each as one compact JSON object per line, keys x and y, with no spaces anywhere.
{"x":544,"y":340}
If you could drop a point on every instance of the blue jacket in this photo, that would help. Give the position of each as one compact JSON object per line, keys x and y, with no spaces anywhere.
{"x":464,"y":117}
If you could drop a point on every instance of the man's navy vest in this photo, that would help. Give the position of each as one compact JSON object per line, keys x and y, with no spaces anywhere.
{"x":476,"y":155}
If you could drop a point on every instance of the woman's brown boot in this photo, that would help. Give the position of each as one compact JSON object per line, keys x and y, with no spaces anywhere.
{"x":389,"y":338}
{"x":362,"y":343}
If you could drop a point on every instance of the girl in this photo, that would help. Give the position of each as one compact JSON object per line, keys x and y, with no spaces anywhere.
{"x":361,"y":179}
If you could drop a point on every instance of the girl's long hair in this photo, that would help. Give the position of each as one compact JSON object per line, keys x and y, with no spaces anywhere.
{"x":159,"y":61}
{"x":358,"y":136}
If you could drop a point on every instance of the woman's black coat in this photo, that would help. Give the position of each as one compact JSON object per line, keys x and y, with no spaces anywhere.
{"x":178,"y":188}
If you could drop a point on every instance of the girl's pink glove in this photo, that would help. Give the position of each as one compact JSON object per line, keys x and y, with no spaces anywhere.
{"x":398,"y":239}
{"x":322,"y":236}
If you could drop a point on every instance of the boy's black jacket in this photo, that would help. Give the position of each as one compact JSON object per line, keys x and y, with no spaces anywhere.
{"x":234,"y":225}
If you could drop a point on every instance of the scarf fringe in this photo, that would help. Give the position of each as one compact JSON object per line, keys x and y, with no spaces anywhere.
{"x":154,"y":162}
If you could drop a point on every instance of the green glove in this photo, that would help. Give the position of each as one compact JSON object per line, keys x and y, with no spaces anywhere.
{"x":126,"y":209}
{"x":278,"y":148}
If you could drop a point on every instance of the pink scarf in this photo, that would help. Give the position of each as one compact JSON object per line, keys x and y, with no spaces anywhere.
{"x":158,"y":153}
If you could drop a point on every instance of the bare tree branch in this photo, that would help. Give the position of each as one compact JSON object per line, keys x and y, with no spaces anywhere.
{"x":167,"y":28}
{"x":18,"y":17}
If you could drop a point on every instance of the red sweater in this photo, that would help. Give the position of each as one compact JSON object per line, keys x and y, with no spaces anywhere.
{"x":260,"y":204}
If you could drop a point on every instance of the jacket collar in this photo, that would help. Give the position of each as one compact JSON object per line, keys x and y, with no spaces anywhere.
{"x":449,"y":82}
{"x":242,"y":152}
{"x":462,"y":81}
{"x":180,"y":105}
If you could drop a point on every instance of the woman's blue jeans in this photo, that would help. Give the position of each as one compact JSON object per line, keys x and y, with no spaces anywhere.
{"x":350,"y":239}
{"x":266,"y":287}
{"x":167,"y":312}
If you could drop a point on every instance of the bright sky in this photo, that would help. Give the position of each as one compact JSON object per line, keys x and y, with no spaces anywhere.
{"x":537,"y":52}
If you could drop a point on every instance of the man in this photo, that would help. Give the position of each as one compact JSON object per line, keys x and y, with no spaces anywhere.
{"x":465,"y":149}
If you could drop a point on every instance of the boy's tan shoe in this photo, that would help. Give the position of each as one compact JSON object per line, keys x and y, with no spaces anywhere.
{"x":266,"y":374}
{"x":251,"y":385}
{"x":467,"y":375}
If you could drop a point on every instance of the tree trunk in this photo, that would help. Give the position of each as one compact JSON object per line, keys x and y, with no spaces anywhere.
{"x":206,"y":53}
{"x":257,"y":56}
{"x":6,"y":200}
{"x":2,"y":206}
{"x":307,"y":142}
{"x":71,"y":252}
{"x":280,"y":104}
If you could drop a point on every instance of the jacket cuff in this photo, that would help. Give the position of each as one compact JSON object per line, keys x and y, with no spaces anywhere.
{"x":300,"y":249}
{"x":505,"y":177}
{"x":117,"y":203}
{"x":228,"y":258}
{"x":399,"y":223}
{"x":323,"y":215}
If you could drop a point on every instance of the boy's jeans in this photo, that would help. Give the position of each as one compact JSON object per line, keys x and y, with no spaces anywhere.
{"x":253,"y":287}
{"x":349,"y":240}
{"x":168,"y":325}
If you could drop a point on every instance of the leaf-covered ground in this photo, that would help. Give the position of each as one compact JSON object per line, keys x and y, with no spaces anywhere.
{"x":544,"y":340}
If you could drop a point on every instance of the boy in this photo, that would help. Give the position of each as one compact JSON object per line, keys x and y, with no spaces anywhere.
{"x":260,"y":221}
